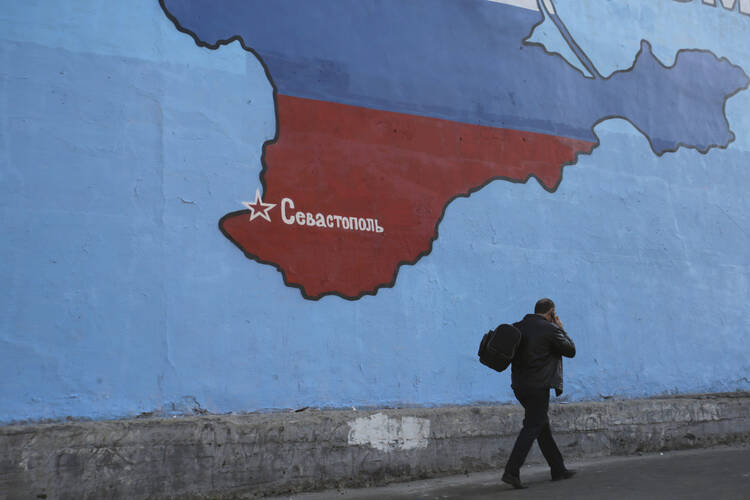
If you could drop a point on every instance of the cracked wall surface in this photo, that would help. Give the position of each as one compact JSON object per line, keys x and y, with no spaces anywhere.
{"x":219,"y":456}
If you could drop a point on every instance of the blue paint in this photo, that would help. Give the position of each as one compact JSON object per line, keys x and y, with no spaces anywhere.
{"x":480,"y":73}
{"x":669,"y":28}
{"x":549,"y":35}
{"x":120,"y":295}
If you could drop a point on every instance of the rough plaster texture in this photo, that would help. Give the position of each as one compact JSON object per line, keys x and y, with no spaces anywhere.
{"x":122,"y":144}
{"x":237,"y":456}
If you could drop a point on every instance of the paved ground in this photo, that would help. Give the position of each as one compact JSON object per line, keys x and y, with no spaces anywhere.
{"x":714,"y":474}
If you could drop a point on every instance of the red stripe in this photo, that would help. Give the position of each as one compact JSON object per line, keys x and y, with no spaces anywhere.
{"x":400,"y":169}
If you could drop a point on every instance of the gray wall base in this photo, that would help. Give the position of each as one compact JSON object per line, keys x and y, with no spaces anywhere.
{"x":228,"y":456}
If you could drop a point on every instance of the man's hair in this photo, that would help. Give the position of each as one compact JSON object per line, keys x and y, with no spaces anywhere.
{"x":543,"y":306}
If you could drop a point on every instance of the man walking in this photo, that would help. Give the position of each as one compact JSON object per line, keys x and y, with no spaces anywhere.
{"x":537,"y":368}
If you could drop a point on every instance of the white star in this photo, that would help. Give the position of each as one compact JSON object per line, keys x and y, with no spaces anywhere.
{"x":258,"y":208}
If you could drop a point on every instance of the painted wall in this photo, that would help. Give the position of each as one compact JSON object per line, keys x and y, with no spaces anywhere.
{"x":144,"y":269}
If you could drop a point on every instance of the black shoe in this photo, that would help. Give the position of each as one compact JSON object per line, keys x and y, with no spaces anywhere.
{"x":566,"y":474}
{"x":514,"y":481}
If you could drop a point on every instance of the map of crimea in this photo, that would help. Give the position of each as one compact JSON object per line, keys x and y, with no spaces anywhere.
{"x":388,"y":110}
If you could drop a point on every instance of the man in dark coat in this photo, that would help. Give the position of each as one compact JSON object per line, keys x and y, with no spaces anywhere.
{"x":537,"y":368}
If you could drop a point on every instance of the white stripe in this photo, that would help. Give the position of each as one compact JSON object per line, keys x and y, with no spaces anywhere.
{"x":524,"y":4}
{"x":528,"y":4}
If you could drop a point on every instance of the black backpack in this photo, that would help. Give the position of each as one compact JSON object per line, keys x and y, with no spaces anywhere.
{"x":498,"y":347}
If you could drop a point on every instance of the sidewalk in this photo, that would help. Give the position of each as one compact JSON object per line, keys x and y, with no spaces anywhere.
{"x":714,"y":474}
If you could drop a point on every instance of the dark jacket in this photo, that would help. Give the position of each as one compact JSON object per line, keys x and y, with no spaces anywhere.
{"x":538,"y":361}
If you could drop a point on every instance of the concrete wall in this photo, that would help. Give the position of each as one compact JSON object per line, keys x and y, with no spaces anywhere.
{"x":239,"y":456}
{"x":129,"y":130}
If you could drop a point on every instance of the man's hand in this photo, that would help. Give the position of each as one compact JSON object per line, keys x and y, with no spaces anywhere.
{"x":558,"y":322}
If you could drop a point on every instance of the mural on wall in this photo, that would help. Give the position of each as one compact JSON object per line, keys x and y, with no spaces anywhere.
{"x":536,"y":137}
{"x":374,"y":140}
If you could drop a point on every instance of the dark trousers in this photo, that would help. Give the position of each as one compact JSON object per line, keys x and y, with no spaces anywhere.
{"x":535,"y":427}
